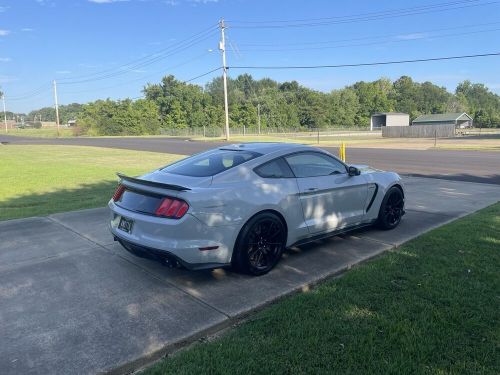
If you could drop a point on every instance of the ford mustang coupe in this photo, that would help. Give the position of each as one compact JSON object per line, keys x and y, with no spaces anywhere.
{"x":243,"y":204}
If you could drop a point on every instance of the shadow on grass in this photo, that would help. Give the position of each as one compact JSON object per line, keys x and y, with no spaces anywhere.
{"x":480,"y":136}
{"x":426,"y":308}
{"x":42,"y":204}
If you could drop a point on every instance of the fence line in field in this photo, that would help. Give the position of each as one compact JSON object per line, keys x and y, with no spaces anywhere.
{"x":419,"y":131}
{"x":211,"y":132}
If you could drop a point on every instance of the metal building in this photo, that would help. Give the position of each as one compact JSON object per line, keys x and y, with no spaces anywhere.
{"x":460,"y":120}
{"x":381,"y":119}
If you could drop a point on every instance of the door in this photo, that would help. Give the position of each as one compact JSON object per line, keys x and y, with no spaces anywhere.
{"x":330,"y":198}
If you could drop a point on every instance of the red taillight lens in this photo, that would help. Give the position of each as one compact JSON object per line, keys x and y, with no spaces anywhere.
{"x":172,"y":208}
{"x":118,"y":192}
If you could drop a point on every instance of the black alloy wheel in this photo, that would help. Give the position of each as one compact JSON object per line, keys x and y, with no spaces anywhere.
{"x":392,"y":209}
{"x":260,"y":244}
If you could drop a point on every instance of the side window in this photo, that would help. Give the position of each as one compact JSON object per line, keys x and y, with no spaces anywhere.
{"x":312,"y":164}
{"x":277,"y":168}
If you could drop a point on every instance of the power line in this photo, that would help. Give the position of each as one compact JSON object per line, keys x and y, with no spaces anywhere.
{"x":187,"y":81}
{"x":31,"y":94}
{"x":444,"y":7}
{"x":163,"y":71}
{"x":203,"y":75}
{"x":367,"y":64}
{"x":360,"y":14}
{"x":141,"y":65}
{"x":326,"y":42}
{"x":369,"y":43}
{"x":144,"y":58}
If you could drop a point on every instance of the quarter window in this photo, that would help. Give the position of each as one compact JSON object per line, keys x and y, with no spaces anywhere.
{"x":312,"y":164}
{"x":277,"y":168}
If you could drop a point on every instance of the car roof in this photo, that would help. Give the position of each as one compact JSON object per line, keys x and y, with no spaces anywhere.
{"x":263,"y":147}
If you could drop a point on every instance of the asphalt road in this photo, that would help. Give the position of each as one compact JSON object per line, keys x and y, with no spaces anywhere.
{"x":472,"y":166}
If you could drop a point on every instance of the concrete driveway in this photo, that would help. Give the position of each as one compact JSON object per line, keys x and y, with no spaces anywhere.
{"x":73,"y":301}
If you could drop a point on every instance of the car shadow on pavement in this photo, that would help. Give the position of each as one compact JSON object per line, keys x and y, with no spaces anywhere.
{"x":466,"y":177}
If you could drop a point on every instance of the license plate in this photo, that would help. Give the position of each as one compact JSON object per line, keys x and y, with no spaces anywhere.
{"x":125,"y":225}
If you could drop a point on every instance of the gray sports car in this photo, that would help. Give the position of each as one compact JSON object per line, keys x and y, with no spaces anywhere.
{"x":243,"y":204}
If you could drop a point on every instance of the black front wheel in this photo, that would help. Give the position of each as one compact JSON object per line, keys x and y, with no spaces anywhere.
{"x":260,"y":244}
{"x":392,"y":209}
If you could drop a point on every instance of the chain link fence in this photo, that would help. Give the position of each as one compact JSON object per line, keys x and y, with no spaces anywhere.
{"x":214,"y":132}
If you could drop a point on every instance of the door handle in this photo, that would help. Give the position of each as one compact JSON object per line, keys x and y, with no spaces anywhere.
{"x":312,"y":189}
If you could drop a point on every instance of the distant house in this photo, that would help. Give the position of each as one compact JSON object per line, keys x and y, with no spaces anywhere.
{"x":460,"y":120}
{"x":381,"y":119}
{"x":71,"y":122}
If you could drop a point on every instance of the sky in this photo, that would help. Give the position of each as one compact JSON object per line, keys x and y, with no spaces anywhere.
{"x":98,"y":49}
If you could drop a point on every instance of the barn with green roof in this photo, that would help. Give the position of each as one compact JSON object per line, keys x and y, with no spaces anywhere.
{"x":460,"y":120}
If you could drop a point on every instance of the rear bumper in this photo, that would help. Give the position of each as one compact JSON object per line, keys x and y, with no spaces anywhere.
{"x":180,"y":239}
{"x":165,"y":257}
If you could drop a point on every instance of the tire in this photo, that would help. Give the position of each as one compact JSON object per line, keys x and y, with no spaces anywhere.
{"x":391,"y":209}
{"x":260,"y":244}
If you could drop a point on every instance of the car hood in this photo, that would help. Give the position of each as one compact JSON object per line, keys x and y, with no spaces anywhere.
{"x":364,"y":169}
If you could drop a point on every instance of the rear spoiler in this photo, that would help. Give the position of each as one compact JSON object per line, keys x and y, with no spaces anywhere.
{"x":152,"y":183}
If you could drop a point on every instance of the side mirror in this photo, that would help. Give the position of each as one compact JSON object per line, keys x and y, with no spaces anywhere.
{"x":353,"y":171}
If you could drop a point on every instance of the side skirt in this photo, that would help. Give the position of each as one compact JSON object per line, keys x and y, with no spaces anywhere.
{"x":332,"y":233}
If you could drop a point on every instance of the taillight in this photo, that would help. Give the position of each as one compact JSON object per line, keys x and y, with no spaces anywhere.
{"x":118,"y":192}
{"x":172,"y":208}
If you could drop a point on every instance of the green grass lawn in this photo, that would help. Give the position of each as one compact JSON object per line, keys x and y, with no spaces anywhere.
{"x":431,"y":307}
{"x":42,"y":132}
{"x":40,"y":180}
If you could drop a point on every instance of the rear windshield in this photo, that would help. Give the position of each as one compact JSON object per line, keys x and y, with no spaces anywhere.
{"x":210,"y":163}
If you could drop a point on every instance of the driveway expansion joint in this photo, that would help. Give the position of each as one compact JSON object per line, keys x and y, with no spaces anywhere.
{"x":182,"y":308}
{"x":152,"y":274}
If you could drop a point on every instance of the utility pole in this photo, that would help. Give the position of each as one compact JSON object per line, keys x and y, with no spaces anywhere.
{"x":4,"y":112}
{"x":258,"y":115}
{"x":57,"y":106}
{"x":222,"y":47}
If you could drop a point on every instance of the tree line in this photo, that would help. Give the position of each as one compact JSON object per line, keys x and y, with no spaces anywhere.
{"x":173,"y":104}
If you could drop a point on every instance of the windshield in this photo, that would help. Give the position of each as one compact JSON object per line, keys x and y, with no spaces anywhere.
{"x":210,"y":163}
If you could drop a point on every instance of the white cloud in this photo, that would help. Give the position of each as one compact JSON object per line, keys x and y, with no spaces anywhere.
{"x":5,"y":59}
{"x":3,"y":9}
{"x":4,"y":32}
{"x":63,"y":72}
{"x":91,"y":66}
{"x":412,"y":36}
{"x":106,"y":1}
{"x":7,"y":79}
{"x":27,"y":29}
{"x":194,"y":2}
{"x":46,"y":2}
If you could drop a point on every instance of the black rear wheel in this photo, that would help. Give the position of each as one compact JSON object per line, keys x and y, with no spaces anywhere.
{"x":392,"y":209}
{"x":260,"y":244}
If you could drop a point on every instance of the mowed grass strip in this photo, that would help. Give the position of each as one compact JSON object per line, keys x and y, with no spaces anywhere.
{"x":431,"y":307}
{"x":51,"y":132}
{"x":41,"y":180}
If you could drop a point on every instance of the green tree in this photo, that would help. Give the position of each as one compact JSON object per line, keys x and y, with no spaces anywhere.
{"x":373,"y":97}
{"x":482,"y":104}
